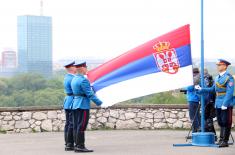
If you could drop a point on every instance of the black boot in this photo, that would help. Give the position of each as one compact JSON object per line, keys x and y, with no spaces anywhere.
{"x":82,"y":148}
{"x":69,"y":147}
{"x":221,"y":136}
{"x":80,"y":143}
{"x":227,"y":132}
{"x":70,"y":142}
{"x":65,"y":138}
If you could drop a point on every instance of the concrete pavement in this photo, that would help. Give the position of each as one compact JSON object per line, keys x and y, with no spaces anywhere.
{"x":118,"y":142}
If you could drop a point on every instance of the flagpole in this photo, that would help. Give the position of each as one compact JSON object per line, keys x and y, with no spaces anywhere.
{"x":202,"y":68}
{"x":202,"y":138}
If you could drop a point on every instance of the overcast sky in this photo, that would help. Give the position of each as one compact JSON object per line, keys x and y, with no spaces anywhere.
{"x":108,"y":28}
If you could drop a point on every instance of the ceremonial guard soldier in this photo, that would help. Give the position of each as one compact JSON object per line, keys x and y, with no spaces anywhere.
{"x":68,"y":129}
{"x":224,"y":88}
{"x":83,"y":95}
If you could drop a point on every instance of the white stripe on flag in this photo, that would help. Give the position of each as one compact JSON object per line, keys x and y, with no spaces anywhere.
{"x":145,"y":85}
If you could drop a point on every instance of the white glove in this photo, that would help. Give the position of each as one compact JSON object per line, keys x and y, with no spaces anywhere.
{"x":223,"y":107}
{"x":198,"y":87}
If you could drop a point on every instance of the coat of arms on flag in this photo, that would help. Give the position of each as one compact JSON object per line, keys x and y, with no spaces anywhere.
{"x":166,"y":58}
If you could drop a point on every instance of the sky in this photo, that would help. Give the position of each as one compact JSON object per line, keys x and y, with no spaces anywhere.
{"x":108,"y":28}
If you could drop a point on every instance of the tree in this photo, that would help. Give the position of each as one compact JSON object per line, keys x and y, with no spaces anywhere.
{"x":23,"y":97}
{"x":7,"y":101}
{"x":31,"y":90}
{"x":32,"y":82}
{"x":3,"y":86}
{"x":54,"y":83}
{"x":49,"y":97}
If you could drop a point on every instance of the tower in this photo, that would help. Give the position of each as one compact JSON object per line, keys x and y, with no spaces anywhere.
{"x":35,"y":44}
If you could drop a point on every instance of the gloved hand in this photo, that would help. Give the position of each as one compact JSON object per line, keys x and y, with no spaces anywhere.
{"x":197,"y":87}
{"x":223,"y":107}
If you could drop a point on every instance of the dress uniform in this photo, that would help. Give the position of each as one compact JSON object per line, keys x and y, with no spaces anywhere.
{"x":83,"y":95}
{"x":68,"y":129}
{"x":224,"y":88}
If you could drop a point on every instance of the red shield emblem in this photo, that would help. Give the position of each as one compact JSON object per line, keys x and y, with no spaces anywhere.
{"x":166,"y":58}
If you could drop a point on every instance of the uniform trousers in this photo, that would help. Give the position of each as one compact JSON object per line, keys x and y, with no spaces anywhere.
{"x":80,"y":121}
{"x":68,"y":128}
{"x":224,"y":117}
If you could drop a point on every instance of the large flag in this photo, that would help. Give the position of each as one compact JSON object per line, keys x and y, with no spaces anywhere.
{"x":159,"y":65}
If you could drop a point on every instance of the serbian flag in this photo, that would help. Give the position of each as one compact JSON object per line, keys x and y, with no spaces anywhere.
{"x":159,"y":65}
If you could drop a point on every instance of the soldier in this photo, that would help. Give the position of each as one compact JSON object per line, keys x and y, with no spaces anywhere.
{"x":83,"y":94}
{"x":224,"y":88}
{"x":68,"y":129}
{"x":193,"y":101}
{"x":210,"y":113}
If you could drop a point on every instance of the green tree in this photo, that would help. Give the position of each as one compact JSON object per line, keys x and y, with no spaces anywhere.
{"x":7,"y":101}
{"x":49,"y":97}
{"x":23,"y":97}
{"x":32,"y":82}
{"x":3,"y":86}
{"x":54,"y":83}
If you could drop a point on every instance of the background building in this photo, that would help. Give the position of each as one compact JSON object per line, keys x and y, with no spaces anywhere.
{"x":8,"y":65}
{"x":35,"y":44}
{"x":9,"y":60}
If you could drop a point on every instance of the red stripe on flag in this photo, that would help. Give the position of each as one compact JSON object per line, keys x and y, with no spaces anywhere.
{"x":177,"y":38}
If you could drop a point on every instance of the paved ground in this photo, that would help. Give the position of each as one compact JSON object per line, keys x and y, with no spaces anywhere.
{"x":107,"y":143}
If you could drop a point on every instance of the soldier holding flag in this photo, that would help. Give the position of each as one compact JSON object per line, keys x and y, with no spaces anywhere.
{"x":224,"y":88}
{"x":83,"y":94}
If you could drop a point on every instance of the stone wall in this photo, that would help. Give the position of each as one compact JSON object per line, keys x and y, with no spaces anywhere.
{"x":37,"y":119}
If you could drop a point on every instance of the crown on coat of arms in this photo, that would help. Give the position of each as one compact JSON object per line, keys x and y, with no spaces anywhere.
{"x":160,"y":46}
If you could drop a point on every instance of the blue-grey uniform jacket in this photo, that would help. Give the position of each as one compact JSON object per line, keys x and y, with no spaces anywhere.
{"x":224,"y":88}
{"x":68,"y":91}
{"x":83,"y":93}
